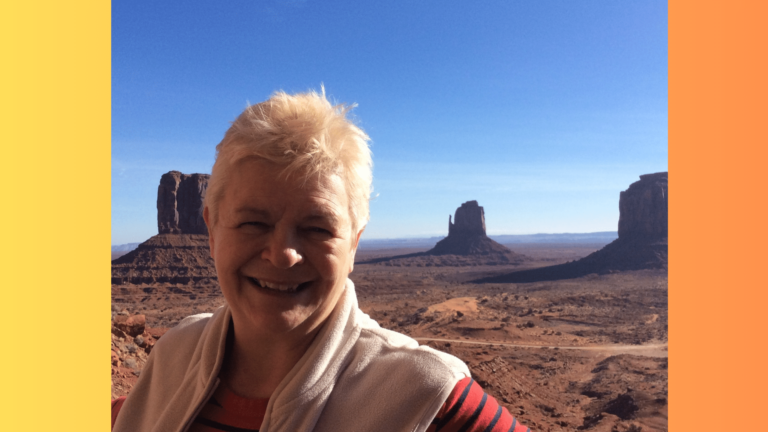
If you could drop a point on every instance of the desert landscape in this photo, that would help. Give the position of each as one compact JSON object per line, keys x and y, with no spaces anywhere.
{"x":567,"y":336}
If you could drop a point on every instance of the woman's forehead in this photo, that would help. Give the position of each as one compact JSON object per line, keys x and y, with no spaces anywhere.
{"x":259,"y":188}
{"x":273,"y":206}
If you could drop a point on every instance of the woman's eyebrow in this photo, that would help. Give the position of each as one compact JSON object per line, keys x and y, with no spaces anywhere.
{"x":322,"y":215}
{"x":252,"y":212}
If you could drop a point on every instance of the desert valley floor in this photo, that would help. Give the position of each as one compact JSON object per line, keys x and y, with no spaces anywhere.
{"x":586,"y":353}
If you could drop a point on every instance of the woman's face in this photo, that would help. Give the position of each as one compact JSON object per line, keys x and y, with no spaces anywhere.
{"x":283,"y":248}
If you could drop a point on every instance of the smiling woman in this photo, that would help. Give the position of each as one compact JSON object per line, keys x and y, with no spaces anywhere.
{"x":283,"y":249}
{"x":291,"y":350}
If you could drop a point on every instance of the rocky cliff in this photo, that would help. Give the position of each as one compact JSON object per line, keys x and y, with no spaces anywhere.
{"x":466,"y":234}
{"x":179,"y":254}
{"x":180,"y":203}
{"x":466,"y":245}
{"x":642,"y":242}
{"x":643,"y":207}
{"x":470,"y":220}
{"x":167,"y":259}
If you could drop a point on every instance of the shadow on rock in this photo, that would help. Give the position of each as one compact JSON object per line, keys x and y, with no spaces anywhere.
{"x":633,"y":253}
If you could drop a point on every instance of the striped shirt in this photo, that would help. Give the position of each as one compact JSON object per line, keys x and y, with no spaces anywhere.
{"x":470,"y":409}
{"x":467,"y":409}
{"x":226,"y":411}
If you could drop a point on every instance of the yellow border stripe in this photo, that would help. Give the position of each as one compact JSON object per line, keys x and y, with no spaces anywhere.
{"x":55,"y":135}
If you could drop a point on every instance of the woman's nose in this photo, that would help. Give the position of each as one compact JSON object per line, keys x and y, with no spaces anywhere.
{"x":282,"y":250}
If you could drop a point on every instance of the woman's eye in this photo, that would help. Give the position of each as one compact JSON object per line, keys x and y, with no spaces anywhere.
{"x":254,"y":224}
{"x":319,"y":230}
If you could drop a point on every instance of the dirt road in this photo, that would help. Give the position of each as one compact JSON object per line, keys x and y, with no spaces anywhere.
{"x":649,"y":350}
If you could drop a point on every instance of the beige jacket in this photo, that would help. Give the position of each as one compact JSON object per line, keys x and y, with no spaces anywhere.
{"x":355,"y":376}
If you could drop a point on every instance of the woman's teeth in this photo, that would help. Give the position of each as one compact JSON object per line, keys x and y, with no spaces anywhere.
{"x":276,"y":286}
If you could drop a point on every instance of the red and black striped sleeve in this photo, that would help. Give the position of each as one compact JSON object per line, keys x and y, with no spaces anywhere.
{"x":116,"y":405}
{"x":469,"y":409}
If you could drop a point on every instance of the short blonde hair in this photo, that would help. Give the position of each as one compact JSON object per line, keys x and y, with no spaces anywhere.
{"x":307,"y":135}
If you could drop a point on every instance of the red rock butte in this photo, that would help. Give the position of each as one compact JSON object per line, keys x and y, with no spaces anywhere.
{"x":466,"y":234}
{"x":466,"y":245}
{"x":179,"y":253}
{"x":180,"y":199}
{"x":642,"y":242}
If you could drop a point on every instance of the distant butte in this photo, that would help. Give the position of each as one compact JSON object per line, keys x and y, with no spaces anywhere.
{"x":179,"y":253}
{"x":180,"y":203}
{"x":642,"y":242}
{"x":466,"y":245}
{"x":643,"y":208}
{"x":466,"y":236}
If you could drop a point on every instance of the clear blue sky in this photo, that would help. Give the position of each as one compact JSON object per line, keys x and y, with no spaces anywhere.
{"x":543,"y":111}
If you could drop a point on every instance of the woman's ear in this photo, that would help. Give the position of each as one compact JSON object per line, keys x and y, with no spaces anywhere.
{"x":207,"y":219}
{"x":354,"y":249}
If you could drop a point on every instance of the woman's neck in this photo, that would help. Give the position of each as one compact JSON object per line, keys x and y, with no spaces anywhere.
{"x":255,"y":364}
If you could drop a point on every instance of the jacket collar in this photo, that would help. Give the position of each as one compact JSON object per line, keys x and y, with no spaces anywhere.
{"x":310,"y":381}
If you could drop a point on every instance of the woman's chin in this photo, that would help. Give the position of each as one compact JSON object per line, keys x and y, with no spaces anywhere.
{"x":268,"y":312}
{"x":271,"y":322}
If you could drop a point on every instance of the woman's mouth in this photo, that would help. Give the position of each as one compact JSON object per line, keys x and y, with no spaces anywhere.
{"x":277,"y":286}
